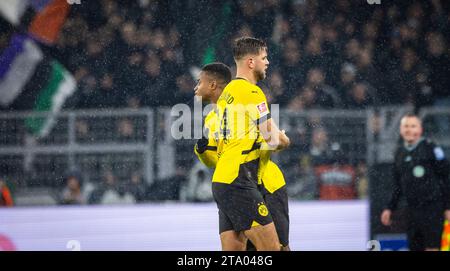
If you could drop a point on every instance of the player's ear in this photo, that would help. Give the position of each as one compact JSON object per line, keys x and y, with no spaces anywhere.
{"x":213,"y":84}
{"x":251,"y":62}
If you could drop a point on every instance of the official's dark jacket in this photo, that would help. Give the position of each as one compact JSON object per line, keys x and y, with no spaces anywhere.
{"x":421,"y":174}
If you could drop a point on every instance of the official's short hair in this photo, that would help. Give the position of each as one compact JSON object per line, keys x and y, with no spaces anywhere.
{"x":219,"y":70}
{"x":412,"y":115}
{"x":247,"y":45}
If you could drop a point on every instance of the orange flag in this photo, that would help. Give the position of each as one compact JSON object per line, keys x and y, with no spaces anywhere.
{"x":47,"y":24}
{"x":445,"y":244}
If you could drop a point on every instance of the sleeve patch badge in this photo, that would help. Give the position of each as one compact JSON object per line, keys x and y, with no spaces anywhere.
{"x":439,"y":153}
{"x":262,"y":109}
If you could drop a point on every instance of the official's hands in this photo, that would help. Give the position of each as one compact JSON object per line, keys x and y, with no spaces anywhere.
{"x":386,"y":217}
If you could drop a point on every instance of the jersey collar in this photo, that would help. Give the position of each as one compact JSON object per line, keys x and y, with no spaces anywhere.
{"x":413,"y":146}
{"x":241,"y":78}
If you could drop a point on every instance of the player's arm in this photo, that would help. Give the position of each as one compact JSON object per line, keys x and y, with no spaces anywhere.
{"x":207,"y":157}
{"x":276,"y":139}
{"x":206,"y":151}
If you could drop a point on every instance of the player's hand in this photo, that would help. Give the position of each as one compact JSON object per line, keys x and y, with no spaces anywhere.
{"x":202,"y":143}
{"x":278,"y":142}
{"x":386,"y":217}
{"x":284,"y":140}
{"x":286,"y":137}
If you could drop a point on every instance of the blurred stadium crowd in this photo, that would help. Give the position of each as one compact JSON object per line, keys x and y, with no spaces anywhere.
{"x":323,"y":55}
{"x":339,"y":54}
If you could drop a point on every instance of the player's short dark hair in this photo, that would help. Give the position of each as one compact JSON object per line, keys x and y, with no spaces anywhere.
{"x":219,"y":70}
{"x":246,"y":45}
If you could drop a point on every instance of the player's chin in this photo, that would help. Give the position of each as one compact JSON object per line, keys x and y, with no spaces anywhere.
{"x":261,"y":75}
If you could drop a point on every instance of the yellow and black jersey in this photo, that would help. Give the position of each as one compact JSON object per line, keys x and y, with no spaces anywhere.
{"x":209,"y":156}
{"x":269,"y":174}
{"x":241,"y":107}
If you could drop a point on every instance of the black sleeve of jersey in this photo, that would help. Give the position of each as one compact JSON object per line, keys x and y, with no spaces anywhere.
{"x":445,"y":186}
{"x":396,"y":187}
{"x":263,"y":119}
{"x":441,"y":168}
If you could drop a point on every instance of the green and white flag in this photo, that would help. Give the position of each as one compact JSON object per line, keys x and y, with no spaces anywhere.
{"x":51,"y":98}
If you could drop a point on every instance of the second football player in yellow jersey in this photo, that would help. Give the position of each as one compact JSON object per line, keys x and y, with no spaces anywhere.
{"x":240,"y":108}
{"x":271,"y":176}
{"x":273,"y":184}
{"x":244,"y":118}
{"x":272,"y":179}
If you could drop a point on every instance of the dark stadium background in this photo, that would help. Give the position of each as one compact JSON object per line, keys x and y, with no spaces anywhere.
{"x":343,"y":73}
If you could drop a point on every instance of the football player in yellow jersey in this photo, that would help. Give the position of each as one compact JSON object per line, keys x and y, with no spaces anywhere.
{"x":244,"y":118}
{"x":209,"y":87}
{"x":212,"y":80}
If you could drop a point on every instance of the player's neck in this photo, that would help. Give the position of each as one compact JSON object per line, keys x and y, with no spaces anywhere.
{"x":214,"y":100}
{"x":215,"y":96}
{"x":247,"y":75}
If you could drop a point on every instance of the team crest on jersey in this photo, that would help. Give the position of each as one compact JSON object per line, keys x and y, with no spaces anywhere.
{"x":418,"y":171}
{"x":262,"y":209}
{"x":262,"y":108}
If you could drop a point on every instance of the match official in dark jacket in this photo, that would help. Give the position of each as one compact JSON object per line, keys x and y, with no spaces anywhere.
{"x":421,"y":174}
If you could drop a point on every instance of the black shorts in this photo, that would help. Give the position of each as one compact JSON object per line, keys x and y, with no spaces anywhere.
{"x":277,"y":203}
{"x":241,"y":203}
{"x":425,"y":225}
